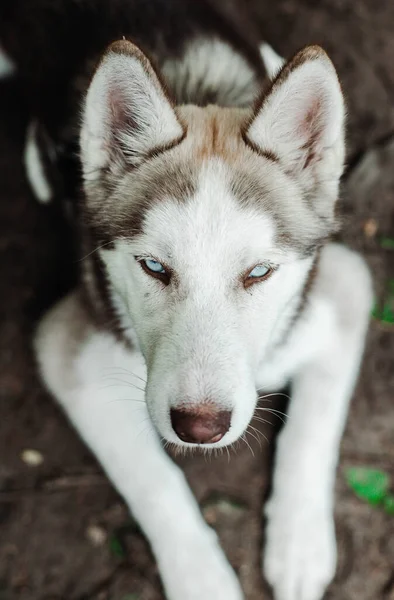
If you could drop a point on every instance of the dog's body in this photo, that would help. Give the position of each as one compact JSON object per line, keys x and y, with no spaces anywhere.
{"x":207,"y":273}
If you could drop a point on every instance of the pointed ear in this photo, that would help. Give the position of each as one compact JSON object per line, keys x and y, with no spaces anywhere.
{"x":127,"y":114}
{"x":301,"y":122}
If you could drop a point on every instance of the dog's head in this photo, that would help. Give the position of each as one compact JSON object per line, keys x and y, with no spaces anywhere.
{"x":214,"y":217}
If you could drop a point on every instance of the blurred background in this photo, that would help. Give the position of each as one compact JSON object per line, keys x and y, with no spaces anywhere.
{"x":64,"y":532}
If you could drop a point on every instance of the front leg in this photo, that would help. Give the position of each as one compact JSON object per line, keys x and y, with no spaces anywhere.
{"x":300,"y":553}
{"x":114,"y":422}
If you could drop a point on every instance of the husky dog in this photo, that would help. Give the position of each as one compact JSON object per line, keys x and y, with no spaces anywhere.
{"x":209,"y":201}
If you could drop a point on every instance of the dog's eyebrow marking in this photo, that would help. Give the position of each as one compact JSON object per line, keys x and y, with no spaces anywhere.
{"x":125,"y":215}
{"x":268,"y":154}
{"x":251,"y":192}
{"x":212,"y":134}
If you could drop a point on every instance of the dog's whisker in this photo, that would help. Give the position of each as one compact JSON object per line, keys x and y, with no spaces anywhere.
{"x":120,"y":383}
{"x":93,"y":251}
{"x":269,"y":409}
{"x":149,"y":428}
{"x":275,"y":415}
{"x":273,"y":411}
{"x":265,"y":396}
{"x":127,"y":371}
{"x":117,"y":377}
{"x":258,"y":432}
{"x":122,"y":373}
{"x":145,"y":431}
{"x":262,"y":420}
{"x":243,"y":438}
{"x":253,"y":435}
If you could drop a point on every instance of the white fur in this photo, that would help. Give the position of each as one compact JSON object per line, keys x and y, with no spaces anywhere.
{"x":124,"y":86}
{"x":273,"y":62}
{"x":211,"y":64}
{"x":7,"y":67}
{"x":206,"y":336}
{"x":113,"y":420}
{"x":305,"y":115}
{"x":34,"y":167}
{"x":300,"y":554}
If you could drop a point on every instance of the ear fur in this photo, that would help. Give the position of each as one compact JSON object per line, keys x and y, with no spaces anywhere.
{"x":127,"y":113}
{"x":273,"y":62}
{"x":300,"y":120}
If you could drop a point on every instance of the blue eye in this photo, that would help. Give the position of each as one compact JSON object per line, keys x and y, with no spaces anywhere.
{"x":155,"y":269}
{"x":258,"y":274}
{"x":259,"y":271}
{"x":154,"y":266}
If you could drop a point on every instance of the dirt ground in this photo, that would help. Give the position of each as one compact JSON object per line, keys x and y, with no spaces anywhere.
{"x":64,"y":532}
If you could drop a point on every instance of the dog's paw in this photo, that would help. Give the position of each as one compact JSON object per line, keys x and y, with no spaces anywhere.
{"x":300,"y":554}
{"x":199,"y":571}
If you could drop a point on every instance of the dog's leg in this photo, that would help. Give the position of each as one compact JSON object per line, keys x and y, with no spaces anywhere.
{"x":300,"y":553}
{"x":99,"y":385}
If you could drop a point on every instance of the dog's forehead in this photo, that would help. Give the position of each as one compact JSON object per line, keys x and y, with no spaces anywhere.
{"x":213,"y":138}
{"x":210,"y":196}
{"x":210,"y":179}
{"x":214,"y":131}
{"x":211,"y":222}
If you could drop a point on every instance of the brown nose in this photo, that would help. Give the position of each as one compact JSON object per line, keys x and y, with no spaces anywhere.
{"x":202,"y":425}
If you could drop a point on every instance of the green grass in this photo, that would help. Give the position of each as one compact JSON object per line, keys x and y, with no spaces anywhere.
{"x":387,"y":243}
{"x":116,"y":547}
{"x":385,"y":312}
{"x":372,"y":486}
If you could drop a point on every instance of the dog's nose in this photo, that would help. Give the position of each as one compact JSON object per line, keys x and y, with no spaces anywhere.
{"x":200,"y":425}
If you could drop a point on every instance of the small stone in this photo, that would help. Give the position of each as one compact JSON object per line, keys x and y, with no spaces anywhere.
{"x":220,"y":506}
{"x":33,"y":458}
{"x":210,"y":515}
{"x":370,"y":228}
{"x":96,"y":535}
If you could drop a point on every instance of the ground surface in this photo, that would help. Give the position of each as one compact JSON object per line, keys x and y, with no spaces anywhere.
{"x":64,"y":532}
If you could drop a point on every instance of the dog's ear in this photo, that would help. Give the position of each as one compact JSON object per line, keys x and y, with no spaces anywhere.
{"x":300,"y":120}
{"x":127,"y":113}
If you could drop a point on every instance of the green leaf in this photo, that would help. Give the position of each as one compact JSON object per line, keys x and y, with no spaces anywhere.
{"x":388,"y":504}
{"x":130,"y":597}
{"x":387,"y":315}
{"x":387,"y":243}
{"x":376,"y":311}
{"x":368,"y":484}
{"x":116,"y":547}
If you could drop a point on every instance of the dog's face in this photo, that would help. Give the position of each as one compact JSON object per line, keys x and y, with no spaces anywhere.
{"x":214,"y":217}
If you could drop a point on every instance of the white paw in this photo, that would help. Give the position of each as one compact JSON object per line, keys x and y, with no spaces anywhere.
{"x":300,"y":554}
{"x":199,"y":571}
